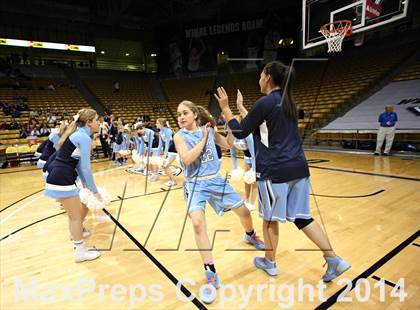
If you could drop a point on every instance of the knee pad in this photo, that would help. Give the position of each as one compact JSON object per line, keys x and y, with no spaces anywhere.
{"x":302,"y":223}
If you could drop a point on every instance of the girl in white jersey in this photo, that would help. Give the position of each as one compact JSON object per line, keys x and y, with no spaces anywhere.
{"x":203,"y":183}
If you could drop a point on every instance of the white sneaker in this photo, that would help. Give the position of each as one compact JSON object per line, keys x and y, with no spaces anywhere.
{"x":250,"y":206}
{"x":170,"y":183}
{"x":154,"y":178}
{"x":83,"y":253}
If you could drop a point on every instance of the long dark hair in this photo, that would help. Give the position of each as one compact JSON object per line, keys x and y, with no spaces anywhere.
{"x":279,"y":73}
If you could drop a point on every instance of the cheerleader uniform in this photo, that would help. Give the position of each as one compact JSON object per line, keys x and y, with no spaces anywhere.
{"x":165,"y":137}
{"x":71,"y":160}
{"x":51,"y":145}
{"x":121,"y":143}
{"x":142,"y":141}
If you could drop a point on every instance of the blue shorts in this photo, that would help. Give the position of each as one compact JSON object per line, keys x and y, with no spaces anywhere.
{"x":216,"y":191}
{"x":248,"y":160}
{"x":284,"y":201}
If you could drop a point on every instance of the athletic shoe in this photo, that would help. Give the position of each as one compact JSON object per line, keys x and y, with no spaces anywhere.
{"x":255,"y":241}
{"x":385,"y":154}
{"x":336,"y":266}
{"x":249,"y":206}
{"x":170,"y":183}
{"x":153,"y":178}
{"x":264,"y":264}
{"x":83,"y":253}
{"x":208,"y":291}
{"x":376,"y":154}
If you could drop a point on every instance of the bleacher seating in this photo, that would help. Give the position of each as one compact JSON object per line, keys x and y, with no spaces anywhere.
{"x":135,"y":97}
{"x":63,"y":98}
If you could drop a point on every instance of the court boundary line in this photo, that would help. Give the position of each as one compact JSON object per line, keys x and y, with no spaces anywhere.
{"x":45,"y":218}
{"x":162,"y":268}
{"x":385,"y":281}
{"x":29,"y":225}
{"x":27,"y":196}
{"x":367,"y":173}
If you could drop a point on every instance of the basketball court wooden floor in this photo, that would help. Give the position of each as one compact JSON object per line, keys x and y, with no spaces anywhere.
{"x":368,"y":205}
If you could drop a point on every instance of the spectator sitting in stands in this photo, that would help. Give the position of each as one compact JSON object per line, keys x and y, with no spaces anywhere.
{"x":15,"y":112}
{"x":32,"y":121}
{"x":51,"y":119}
{"x":65,"y":113}
{"x":4,"y":126}
{"x":44,"y":130}
{"x":35,"y":131}
{"x":14,"y":125}
{"x":23,"y":131}
{"x":301,"y":113}
{"x":7,"y":109}
{"x":51,"y":87}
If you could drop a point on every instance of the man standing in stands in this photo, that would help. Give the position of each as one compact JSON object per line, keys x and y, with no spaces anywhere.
{"x":103,"y":136}
{"x":387,"y":121}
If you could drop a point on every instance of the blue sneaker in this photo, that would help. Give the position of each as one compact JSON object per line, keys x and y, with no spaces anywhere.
{"x":208,"y":291}
{"x":255,"y":241}
{"x":264,"y":264}
{"x":336,"y":266}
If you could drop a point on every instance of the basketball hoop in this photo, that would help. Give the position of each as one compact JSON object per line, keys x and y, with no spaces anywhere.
{"x":335,"y":32}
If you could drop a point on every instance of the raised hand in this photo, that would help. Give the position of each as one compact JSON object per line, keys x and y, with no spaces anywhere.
{"x":239,"y":99}
{"x":222,"y":98}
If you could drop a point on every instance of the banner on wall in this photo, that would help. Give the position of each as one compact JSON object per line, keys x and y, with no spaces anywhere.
{"x":212,"y":30}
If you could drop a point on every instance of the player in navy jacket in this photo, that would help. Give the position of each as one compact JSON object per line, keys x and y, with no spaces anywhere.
{"x":281,"y":167}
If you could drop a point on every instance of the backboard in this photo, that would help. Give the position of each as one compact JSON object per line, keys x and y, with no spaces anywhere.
{"x":364,"y":14}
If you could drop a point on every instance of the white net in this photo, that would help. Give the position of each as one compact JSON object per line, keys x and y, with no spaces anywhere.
{"x":334,"y":33}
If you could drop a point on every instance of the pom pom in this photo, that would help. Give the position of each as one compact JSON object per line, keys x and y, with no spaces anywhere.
{"x":89,"y":199}
{"x":84,"y":194}
{"x":159,"y":161}
{"x":124,"y":152}
{"x":93,"y":203}
{"x":250,"y":177}
{"x":237,"y":174}
{"x":136,"y":158}
{"x":147,"y":160}
{"x":106,"y":197}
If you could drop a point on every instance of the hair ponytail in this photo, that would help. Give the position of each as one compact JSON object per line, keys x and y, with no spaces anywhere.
{"x":80,"y":120}
{"x":279,"y":74}
{"x":69,"y":130}
{"x":205,"y":117}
